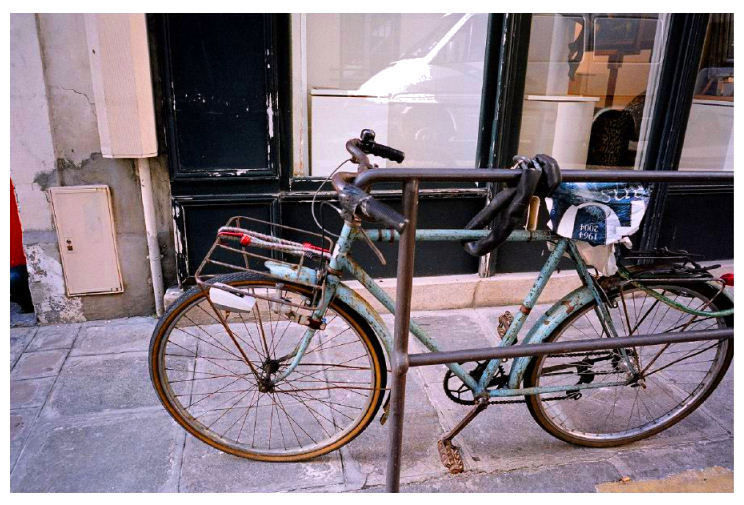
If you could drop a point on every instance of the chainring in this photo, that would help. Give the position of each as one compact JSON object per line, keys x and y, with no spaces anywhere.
{"x":459,"y":392}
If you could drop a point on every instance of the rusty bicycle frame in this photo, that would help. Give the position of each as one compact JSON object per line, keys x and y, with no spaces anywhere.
{"x":401,"y":360}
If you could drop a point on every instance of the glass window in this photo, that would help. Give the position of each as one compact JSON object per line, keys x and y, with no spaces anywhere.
{"x":415,"y":79}
{"x":589,"y":87}
{"x":709,"y":138}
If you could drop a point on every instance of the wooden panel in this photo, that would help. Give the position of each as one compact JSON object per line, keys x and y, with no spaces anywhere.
{"x":700,"y":221}
{"x":87,"y":244}
{"x":197,"y":222}
{"x":220,"y":82}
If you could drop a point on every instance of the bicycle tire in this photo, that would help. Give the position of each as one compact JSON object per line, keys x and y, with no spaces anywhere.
{"x":158,"y":374}
{"x":539,"y":410}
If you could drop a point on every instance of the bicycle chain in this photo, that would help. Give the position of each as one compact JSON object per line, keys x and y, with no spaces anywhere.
{"x":498,"y":380}
{"x":550,"y":399}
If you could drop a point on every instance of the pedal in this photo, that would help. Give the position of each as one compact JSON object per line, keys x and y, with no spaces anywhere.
{"x":450,"y":456}
{"x":505,"y":321}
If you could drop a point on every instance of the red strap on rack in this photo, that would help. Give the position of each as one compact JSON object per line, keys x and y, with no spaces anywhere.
{"x":244,"y":239}
{"x":308,"y":245}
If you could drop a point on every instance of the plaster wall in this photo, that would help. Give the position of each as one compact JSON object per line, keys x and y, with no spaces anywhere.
{"x":55,"y":142}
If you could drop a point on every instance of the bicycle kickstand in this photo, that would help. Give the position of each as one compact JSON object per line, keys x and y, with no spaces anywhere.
{"x":449,"y":454}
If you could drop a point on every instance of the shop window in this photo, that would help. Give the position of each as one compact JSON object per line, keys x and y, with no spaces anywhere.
{"x":589,"y":88}
{"x":416,"y":79}
{"x":709,"y":138}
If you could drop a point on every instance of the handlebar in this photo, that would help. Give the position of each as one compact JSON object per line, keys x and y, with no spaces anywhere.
{"x":354,"y":199}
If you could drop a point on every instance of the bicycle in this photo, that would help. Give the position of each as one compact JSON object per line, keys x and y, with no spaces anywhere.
{"x":281,"y":361}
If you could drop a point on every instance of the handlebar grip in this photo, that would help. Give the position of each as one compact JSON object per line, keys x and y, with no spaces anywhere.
{"x":378,"y":211}
{"x":387,"y":152}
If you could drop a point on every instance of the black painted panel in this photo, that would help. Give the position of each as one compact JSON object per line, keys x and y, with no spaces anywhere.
{"x":432,"y":258}
{"x":527,"y":256}
{"x":219,"y":85}
{"x":701,"y":223}
{"x":202,"y":220}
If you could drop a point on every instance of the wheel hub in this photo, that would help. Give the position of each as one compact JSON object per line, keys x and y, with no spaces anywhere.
{"x":265,"y":382}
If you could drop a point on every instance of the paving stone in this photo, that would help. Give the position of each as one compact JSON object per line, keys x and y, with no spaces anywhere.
{"x":39,"y":364}
{"x":463,"y":331}
{"x":84,"y":441}
{"x":54,"y":337}
{"x":707,"y":480}
{"x":21,"y":421}
{"x":453,"y":329}
{"x":98,"y":383}
{"x":113,"y":454}
{"x":30,"y":392}
{"x":505,"y":437}
{"x":664,"y":461}
{"x":134,"y":335}
{"x":125,"y":321}
{"x":20,"y":318}
{"x":19,"y":340}
{"x":572,"y":478}
{"x":720,"y":403}
{"x":420,"y":434}
{"x":206,"y":469}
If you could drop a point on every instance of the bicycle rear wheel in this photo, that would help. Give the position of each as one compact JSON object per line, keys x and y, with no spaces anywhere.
{"x":675,"y":378}
{"x":204,"y":382}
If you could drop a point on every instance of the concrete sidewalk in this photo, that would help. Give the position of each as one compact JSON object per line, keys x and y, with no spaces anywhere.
{"x":84,"y":417}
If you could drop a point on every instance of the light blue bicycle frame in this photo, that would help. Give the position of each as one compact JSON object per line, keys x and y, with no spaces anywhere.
{"x":576,"y":300}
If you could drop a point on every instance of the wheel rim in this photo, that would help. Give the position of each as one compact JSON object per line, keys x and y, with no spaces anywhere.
{"x":675,"y":377}
{"x":214,"y":393}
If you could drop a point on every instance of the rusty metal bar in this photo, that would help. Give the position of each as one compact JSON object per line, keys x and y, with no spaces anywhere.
{"x":597,"y":344}
{"x":399,"y":358}
{"x":369,"y":177}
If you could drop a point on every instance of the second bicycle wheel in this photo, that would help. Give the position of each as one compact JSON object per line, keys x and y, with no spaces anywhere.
{"x":675,"y":378}
{"x":203,"y":380}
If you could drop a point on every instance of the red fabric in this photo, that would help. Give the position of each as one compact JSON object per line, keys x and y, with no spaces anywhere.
{"x":16,"y":236}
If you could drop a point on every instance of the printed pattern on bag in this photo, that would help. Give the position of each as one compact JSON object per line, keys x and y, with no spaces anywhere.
{"x":599,"y":213}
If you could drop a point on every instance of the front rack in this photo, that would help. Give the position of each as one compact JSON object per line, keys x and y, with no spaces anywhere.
{"x":267,"y":250}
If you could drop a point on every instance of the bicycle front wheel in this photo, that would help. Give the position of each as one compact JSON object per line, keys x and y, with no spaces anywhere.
{"x":674,"y":380}
{"x":202,"y":378}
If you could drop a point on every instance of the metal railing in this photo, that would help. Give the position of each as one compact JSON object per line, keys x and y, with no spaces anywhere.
{"x":401,"y":360}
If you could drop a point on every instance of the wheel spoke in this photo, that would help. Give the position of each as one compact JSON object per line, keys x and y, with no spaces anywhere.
{"x":673,"y":376}
{"x":330,"y":392}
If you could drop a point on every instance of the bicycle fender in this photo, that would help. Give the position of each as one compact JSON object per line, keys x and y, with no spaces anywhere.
{"x":544,"y":326}
{"x":364,"y":309}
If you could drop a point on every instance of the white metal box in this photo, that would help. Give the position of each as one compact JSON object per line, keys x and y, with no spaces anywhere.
{"x":87,"y":243}
{"x":122,"y":85}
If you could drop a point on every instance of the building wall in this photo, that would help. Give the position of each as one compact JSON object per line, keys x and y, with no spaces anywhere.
{"x":54,"y":142}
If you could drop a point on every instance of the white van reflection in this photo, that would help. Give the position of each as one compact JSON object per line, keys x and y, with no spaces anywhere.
{"x":433,"y":92}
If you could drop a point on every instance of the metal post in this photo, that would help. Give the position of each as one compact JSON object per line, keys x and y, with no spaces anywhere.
{"x":399,"y":358}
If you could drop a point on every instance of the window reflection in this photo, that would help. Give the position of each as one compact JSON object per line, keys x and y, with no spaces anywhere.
{"x":586,"y":87}
{"x":415,"y":79}
{"x":709,"y":138}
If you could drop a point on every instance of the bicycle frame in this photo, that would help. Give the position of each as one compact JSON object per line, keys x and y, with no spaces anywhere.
{"x":342,"y":262}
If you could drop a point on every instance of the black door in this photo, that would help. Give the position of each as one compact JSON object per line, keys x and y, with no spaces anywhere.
{"x":225,"y":87}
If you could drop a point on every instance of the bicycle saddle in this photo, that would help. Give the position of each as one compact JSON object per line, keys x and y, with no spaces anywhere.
{"x":540,"y":176}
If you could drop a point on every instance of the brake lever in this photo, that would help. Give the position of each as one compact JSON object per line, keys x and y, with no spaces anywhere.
{"x":372,"y":246}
